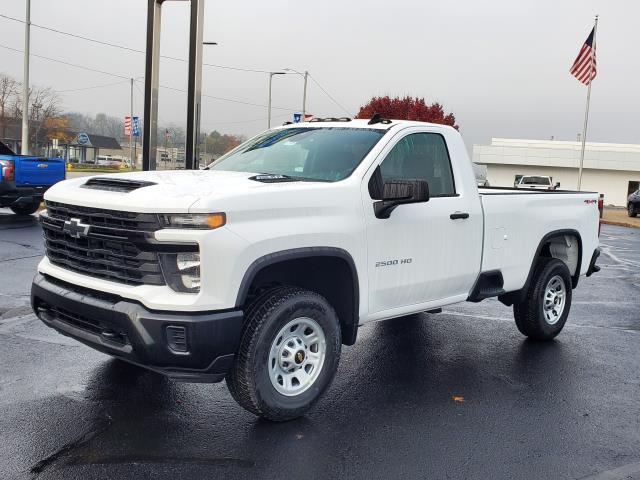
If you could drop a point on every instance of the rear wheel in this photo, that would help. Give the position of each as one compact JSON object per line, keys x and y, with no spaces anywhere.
{"x":289,"y":353}
{"x":26,"y":208}
{"x":545,"y":310}
{"x":631,"y":210}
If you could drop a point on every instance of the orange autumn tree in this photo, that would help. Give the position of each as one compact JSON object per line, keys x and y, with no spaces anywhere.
{"x":56,"y":127}
{"x":407,"y":108}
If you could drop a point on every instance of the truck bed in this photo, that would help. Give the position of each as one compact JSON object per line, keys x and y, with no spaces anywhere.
{"x":515,"y":221}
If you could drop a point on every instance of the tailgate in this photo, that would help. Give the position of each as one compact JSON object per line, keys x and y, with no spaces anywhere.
{"x":32,"y":171}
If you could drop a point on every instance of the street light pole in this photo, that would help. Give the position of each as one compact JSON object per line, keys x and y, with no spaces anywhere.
{"x":25,"y":82}
{"x":271,"y":74}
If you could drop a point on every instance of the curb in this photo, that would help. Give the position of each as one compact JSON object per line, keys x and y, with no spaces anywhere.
{"x":619,"y":224}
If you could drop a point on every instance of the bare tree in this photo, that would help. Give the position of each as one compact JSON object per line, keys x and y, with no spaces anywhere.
{"x":44,"y":105}
{"x":9,"y":89}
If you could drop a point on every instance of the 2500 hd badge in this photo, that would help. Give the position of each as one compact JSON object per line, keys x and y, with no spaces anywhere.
{"x":388,"y":263}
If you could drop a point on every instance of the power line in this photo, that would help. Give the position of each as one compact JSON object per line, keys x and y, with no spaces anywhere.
{"x":129,"y":49}
{"x":123,"y":47}
{"x":90,"y":88}
{"x":242,"y":102}
{"x":67,"y":63}
{"x":329,"y":95}
{"x":282,"y":115}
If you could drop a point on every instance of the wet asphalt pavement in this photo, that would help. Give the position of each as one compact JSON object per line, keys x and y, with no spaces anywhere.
{"x":568,"y":409}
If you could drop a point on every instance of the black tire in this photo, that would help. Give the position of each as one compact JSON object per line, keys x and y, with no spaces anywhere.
{"x":25,"y":209}
{"x":529,"y":315}
{"x":631,"y":210}
{"x":248,"y":379}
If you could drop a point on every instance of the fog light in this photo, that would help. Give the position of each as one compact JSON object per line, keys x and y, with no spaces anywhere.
{"x":177,"y":339}
{"x":182,"y":271}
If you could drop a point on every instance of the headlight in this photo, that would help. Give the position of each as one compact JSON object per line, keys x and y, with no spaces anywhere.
{"x":182,"y":271}
{"x":203,"y":221}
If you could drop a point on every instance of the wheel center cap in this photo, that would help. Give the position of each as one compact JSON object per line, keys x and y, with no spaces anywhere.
{"x":299,"y":357}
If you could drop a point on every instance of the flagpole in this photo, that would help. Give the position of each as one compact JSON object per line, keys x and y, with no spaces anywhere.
{"x":586,"y":111}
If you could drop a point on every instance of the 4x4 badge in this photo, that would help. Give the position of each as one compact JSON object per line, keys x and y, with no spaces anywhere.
{"x":76,"y":228}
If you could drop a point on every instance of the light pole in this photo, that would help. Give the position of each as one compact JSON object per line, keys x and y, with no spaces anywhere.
{"x":271,"y":74}
{"x":304,"y":90}
{"x":25,"y":83}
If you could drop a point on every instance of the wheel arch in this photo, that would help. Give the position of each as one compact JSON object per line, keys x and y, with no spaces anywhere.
{"x":543,"y":250}
{"x":334,"y":276}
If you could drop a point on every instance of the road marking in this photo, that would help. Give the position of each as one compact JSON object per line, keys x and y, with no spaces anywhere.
{"x":621,"y":473}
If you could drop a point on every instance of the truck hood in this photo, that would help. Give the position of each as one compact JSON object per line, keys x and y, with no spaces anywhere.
{"x":166,"y":191}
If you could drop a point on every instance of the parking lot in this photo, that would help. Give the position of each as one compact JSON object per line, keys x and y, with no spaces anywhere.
{"x":459,"y":394}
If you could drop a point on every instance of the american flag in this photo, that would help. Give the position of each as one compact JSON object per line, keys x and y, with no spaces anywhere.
{"x":584,"y":67}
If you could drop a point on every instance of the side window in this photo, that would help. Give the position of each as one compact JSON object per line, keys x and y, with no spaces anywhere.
{"x":421,"y":156}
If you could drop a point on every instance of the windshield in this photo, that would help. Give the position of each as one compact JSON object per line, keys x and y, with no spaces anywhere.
{"x":536,"y":181}
{"x":305,"y":153}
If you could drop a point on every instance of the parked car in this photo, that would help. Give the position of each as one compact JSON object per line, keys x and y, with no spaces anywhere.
{"x":537,"y":182}
{"x":633,"y":204}
{"x":24,"y":179}
{"x":259,"y":268}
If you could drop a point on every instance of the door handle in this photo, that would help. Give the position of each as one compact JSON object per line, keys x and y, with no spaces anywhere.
{"x":459,"y":215}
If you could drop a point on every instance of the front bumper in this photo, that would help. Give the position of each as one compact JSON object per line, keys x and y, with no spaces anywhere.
{"x":186,"y":346}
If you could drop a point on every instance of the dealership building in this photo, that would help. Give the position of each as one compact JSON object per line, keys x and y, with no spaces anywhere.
{"x":609,"y":168}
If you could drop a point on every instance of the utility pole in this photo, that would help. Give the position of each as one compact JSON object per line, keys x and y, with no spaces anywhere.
{"x":131,"y":159}
{"x":304,"y":90}
{"x":304,"y":97}
{"x":25,"y":83}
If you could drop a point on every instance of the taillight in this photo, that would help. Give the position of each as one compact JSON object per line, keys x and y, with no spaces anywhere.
{"x":7,"y":170}
{"x":601,"y":210}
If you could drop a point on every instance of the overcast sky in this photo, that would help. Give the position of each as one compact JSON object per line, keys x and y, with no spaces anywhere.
{"x":501,"y":66}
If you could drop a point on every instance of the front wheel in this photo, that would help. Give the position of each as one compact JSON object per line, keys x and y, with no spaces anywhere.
{"x":631,"y":210}
{"x":26,"y":208}
{"x":542,"y":315}
{"x":289,"y":353}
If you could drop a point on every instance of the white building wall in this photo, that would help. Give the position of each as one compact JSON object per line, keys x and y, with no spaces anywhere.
{"x":608,"y":168}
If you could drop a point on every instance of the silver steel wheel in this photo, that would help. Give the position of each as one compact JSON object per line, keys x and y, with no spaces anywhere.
{"x":296,"y":356}
{"x":555,"y":297}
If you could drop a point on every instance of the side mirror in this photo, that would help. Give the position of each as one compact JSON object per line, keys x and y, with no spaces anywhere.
{"x":400,"y":192}
{"x":557,"y":185}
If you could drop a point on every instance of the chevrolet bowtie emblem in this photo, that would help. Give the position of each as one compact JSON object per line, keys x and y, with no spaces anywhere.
{"x":76,"y":228}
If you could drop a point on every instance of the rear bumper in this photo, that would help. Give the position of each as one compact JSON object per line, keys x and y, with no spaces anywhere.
{"x":186,"y":346}
{"x":12,"y":195}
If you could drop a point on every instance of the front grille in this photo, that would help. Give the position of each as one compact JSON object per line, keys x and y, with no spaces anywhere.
{"x":139,"y":222}
{"x":117,"y":246}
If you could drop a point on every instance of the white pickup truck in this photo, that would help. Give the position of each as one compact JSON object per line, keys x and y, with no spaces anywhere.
{"x":536,"y":182}
{"x":260,"y":267}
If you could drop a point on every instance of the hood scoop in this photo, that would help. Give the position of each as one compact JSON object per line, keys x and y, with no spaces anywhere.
{"x":115,"y":184}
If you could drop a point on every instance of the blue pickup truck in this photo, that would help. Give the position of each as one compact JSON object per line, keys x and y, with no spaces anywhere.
{"x":24,"y":179}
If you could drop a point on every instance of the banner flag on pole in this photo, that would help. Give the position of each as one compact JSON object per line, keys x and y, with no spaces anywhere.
{"x":136,"y":126}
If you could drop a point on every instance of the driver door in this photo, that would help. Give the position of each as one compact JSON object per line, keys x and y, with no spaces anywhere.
{"x":421,"y":253}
